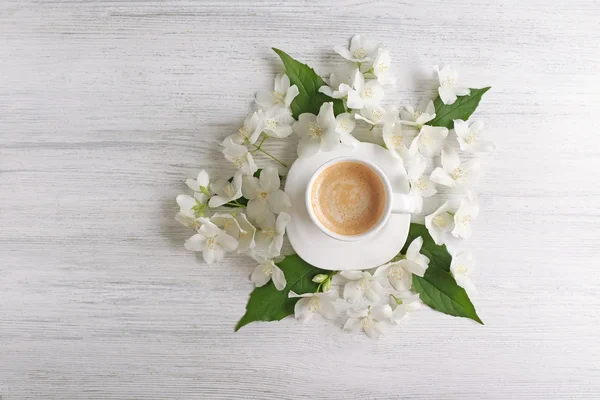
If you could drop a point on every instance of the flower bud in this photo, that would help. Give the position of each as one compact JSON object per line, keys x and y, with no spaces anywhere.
{"x":319,"y":278}
{"x":326,"y":286}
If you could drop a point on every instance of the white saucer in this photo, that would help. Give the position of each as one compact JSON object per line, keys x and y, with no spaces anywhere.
{"x":322,"y":251}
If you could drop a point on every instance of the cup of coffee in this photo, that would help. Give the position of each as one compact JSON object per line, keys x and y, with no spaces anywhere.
{"x":351,"y":199}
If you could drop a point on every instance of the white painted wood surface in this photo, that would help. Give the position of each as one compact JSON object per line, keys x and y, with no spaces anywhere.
{"x":107,"y":106}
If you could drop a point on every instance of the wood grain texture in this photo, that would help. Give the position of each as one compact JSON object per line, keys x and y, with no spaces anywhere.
{"x":107,"y":106}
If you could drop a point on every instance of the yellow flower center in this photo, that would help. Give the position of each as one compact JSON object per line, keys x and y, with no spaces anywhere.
{"x":460,"y":270}
{"x":267,"y":269}
{"x":314,"y":130}
{"x":271,"y":124}
{"x":421,"y":184}
{"x":466,"y":220}
{"x":228,"y":224}
{"x":359,"y":53}
{"x":472,"y":137}
{"x":262,"y":195}
{"x":397,"y":141}
{"x":451,"y":81}
{"x":366,"y":323}
{"x":279,"y":97}
{"x":458,"y":173}
{"x":439,"y":221}
{"x":396,"y":273}
{"x":243,"y":131}
{"x":229,"y":190}
{"x":211,"y":243}
{"x":313,"y":304}
{"x":269,"y":233}
{"x":239,"y":161}
{"x":368,"y":93}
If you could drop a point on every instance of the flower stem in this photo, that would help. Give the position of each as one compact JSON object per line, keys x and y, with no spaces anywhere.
{"x":272,"y":156}
{"x":234,"y":203}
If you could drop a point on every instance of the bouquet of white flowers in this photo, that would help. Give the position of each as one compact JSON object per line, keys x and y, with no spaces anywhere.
{"x":248,"y":211}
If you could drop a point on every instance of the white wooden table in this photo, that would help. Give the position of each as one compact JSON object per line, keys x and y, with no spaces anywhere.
{"x":107,"y":106}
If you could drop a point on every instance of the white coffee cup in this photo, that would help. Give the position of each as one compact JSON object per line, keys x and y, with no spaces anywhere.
{"x":395,"y":203}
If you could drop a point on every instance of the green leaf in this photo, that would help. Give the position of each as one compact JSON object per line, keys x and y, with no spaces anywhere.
{"x":438,"y":255}
{"x":309,"y":100}
{"x":439,"y":290}
{"x":269,"y":304}
{"x":462,"y":108}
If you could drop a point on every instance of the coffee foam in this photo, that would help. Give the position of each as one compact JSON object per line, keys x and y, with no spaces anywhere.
{"x":348,"y":198}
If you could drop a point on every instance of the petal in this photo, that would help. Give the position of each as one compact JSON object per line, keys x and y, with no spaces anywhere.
{"x":278,"y":278}
{"x":291,"y":95}
{"x":326,"y":119}
{"x":450,"y":160}
{"x":414,"y":248}
{"x":327,"y":309}
{"x":209,"y":255}
{"x":266,"y":99}
{"x":274,"y":248}
{"x":218,"y":254}
{"x":301,"y":310}
{"x":354,"y":101}
{"x":352,"y":292}
{"x":301,"y":126}
{"x":282,"y":220}
{"x":467,"y":284}
{"x":269,"y":179}
{"x":372,"y":331}
{"x":344,"y":52}
{"x":447,"y":95}
{"x":440,"y":176}
{"x":229,"y":243}
{"x":250,"y":187}
{"x":249,"y":167}
{"x":192,"y":184}
{"x":259,"y":211}
{"x":209,"y":229}
{"x":372,"y":294}
{"x":308,"y":146}
{"x":432,"y":140}
{"x":279,"y":201}
{"x":381,"y":313}
{"x":428,"y":187}
{"x":185,"y":202}
{"x":330,"y":140}
{"x":416,"y":168}
{"x":217,"y":201}
{"x":381,"y":273}
{"x":195,"y":243}
{"x":352,"y":325}
{"x":413,"y":267}
{"x":259,"y":277}
{"x":352,"y":275}
{"x":327,"y":90}
{"x":462,"y":91}
{"x":461,"y":128}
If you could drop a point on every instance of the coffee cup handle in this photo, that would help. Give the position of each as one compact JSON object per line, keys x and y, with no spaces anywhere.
{"x":402,"y":204}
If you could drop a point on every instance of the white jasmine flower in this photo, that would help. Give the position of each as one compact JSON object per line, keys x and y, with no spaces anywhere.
{"x":226,"y":191}
{"x":399,"y":140}
{"x":200,"y":185}
{"x":266,"y":271}
{"x":468,"y":136}
{"x":240,"y":156}
{"x":363,"y":94}
{"x":453,"y":173}
{"x":314,"y":303}
{"x":440,"y":223}
{"x":405,"y":306}
{"x":361,"y":285}
{"x":420,"y":116}
{"x":465,"y":214}
{"x":399,"y":273}
{"x":370,"y":319}
{"x":461,"y":267}
{"x":250,"y":129}
{"x":372,"y":116}
{"x":361,"y":50}
{"x":281,"y":96}
{"x":420,"y":186}
{"x":339,"y":85}
{"x":264,"y":196}
{"x":430,"y":140}
{"x":269,"y":238}
{"x":211,"y":241}
{"x":231,"y":225}
{"x":278,"y":122}
{"x":449,"y":88}
{"x":317,"y":132}
{"x":381,"y":67}
{"x":345,"y":124}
